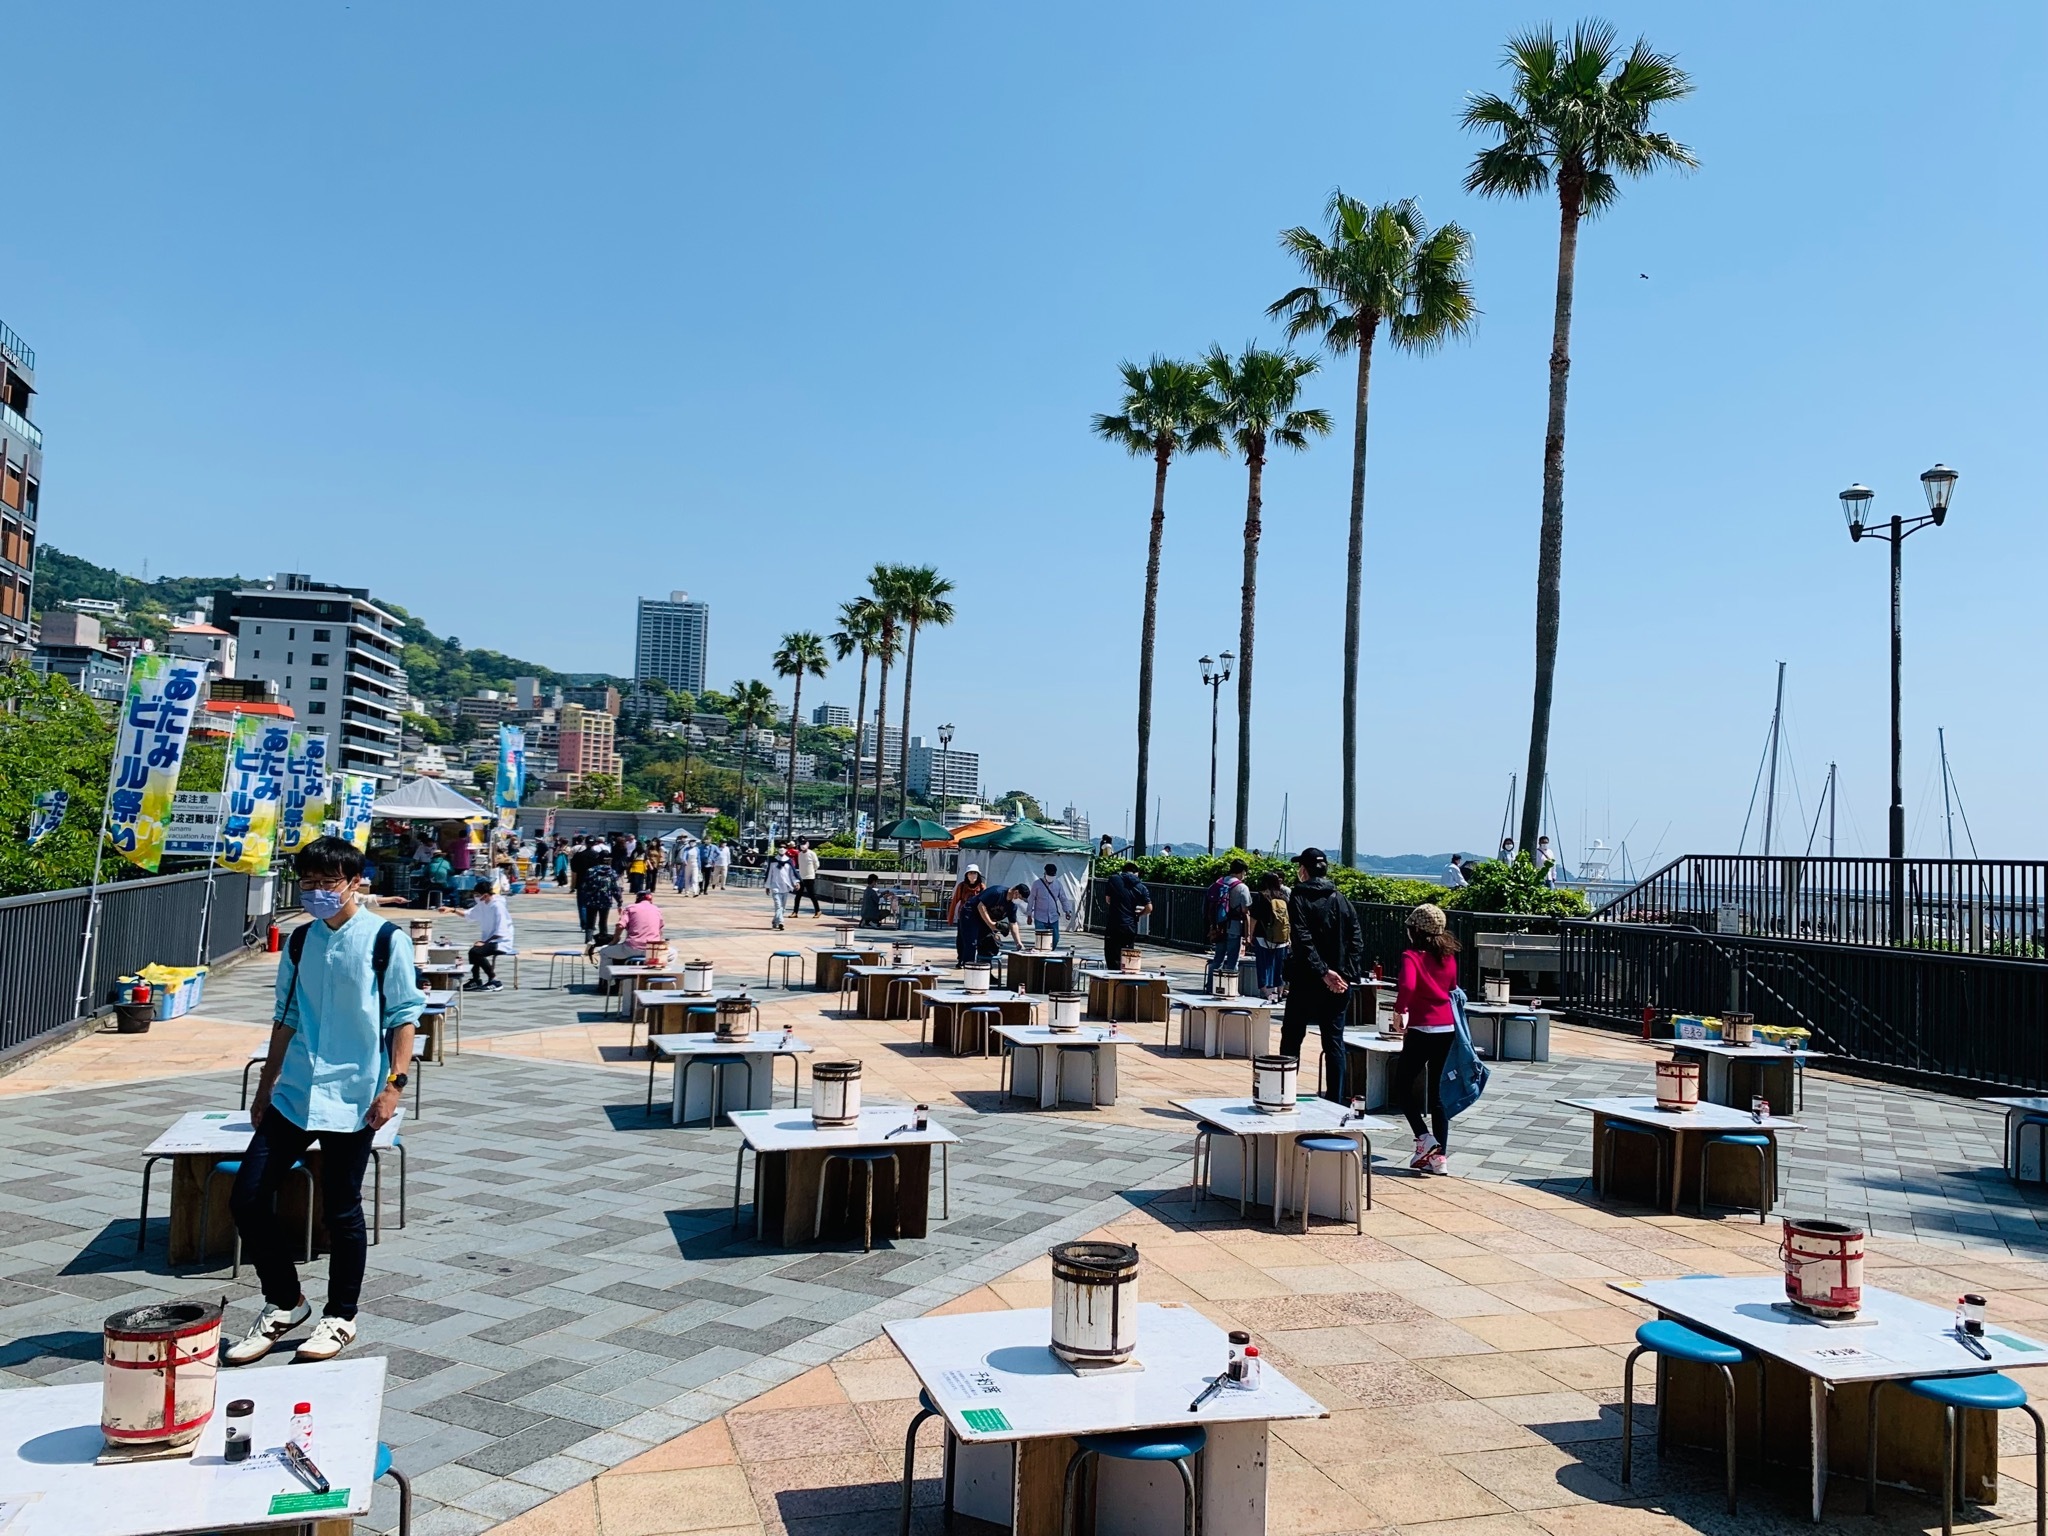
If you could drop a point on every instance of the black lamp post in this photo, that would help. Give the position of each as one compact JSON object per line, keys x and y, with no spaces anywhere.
{"x":1215,"y":673}
{"x":1939,"y":483}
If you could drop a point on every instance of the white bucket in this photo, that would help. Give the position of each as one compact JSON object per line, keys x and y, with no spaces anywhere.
{"x":157,"y":1374}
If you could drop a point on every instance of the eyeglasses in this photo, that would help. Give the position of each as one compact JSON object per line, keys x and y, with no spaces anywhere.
{"x":325,"y":882}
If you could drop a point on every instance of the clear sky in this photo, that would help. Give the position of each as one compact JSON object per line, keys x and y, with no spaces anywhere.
{"x":514,"y":312}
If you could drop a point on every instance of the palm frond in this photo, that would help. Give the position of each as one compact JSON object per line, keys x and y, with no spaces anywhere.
{"x":1503,"y":170}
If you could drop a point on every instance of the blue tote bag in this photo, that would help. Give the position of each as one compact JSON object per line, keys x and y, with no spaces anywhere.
{"x":1465,"y":1075}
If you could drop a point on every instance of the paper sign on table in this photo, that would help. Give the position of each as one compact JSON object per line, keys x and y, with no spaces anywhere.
{"x":971,"y":1384}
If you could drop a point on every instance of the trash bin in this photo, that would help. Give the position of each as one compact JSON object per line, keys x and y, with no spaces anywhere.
{"x":134,"y":1018}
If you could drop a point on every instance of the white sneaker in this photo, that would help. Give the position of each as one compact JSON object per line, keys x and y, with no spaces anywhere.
{"x":330,"y":1336}
{"x":271,"y":1324}
{"x":1438,"y":1164}
{"x":1425,"y":1148}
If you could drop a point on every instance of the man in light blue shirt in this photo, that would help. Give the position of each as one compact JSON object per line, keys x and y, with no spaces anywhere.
{"x":347,"y":1001}
{"x":1050,"y":902}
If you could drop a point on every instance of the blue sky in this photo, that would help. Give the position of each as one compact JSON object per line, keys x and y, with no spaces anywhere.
{"x":514,"y":312}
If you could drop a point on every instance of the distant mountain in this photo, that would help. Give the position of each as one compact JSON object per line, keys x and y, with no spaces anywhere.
{"x":438,"y":667}
{"x":1415,"y":866}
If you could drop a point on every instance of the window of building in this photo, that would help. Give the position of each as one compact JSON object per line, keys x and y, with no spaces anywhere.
{"x":255,"y":655}
{"x":288,"y":658}
{"x":316,"y":682}
{"x":10,"y":487}
{"x":258,"y":629}
{"x":287,"y":682}
{"x":317,"y":707}
{"x":322,"y":658}
{"x":34,"y":495}
{"x":323,"y":634}
{"x":291,"y":634}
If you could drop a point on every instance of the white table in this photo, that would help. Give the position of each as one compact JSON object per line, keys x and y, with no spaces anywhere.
{"x":1363,"y":999}
{"x":1370,"y":1070}
{"x":1237,"y":1123}
{"x":1014,"y":1409}
{"x":946,"y":1009}
{"x":50,"y":1438}
{"x":1046,"y":1063}
{"x":1498,"y":1029}
{"x":1731,"y":1074}
{"x":1894,"y":1338}
{"x":2020,"y":1165}
{"x":659,"y":999}
{"x":1148,"y":991}
{"x":876,"y":998}
{"x":790,"y":1154}
{"x":680,"y":1050}
{"x":1205,"y":1010}
{"x":620,"y":975}
{"x":1686,"y":1130}
{"x":192,"y":1145}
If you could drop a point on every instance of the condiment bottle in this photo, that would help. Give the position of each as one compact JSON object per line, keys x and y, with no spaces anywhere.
{"x":302,"y":1427}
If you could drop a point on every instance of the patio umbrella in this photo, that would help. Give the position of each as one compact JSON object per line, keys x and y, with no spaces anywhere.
{"x":916,"y":829}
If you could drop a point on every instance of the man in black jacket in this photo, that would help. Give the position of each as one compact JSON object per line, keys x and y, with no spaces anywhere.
{"x":1326,"y":955}
{"x":1126,"y":899}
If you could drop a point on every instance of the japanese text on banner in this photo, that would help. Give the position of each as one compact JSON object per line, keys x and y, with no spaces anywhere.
{"x":257,"y":759}
{"x":47,"y":815}
{"x":358,"y":795}
{"x":319,"y":809}
{"x":149,"y":749}
{"x":291,"y":813}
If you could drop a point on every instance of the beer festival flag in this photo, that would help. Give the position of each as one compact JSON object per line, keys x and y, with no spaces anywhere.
{"x":291,"y":811}
{"x":149,"y":748}
{"x":357,"y":797}
{"x":319,"y":809}
{"x":511,"y":783}
{"x":258,"y":756}
{"x":48,"y":814}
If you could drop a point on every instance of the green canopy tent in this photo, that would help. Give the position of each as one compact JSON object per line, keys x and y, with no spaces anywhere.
{"x":1017,"y":855}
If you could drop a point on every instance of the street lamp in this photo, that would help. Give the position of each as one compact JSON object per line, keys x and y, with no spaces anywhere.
{"x":1215,"y":673}
{"x":1939,"y":484}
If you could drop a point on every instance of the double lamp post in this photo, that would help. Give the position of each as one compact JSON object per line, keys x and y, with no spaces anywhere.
{"x":1215,"y":673}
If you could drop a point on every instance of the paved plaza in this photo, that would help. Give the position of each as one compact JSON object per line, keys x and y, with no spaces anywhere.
{"x":578,"y":1342}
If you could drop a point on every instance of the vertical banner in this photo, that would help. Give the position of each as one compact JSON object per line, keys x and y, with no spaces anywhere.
{"x":47,"y":815}
{"x":358,"y":793}
{"x":149,"y":748}
{"x":319,"y":808}
{"x":511,"y":785}
{"x":291,"y":812}
{"x":258,"y":759}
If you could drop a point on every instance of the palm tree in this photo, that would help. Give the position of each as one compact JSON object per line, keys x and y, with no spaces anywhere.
{"x":921,"y":594}
{"x":1379,"y":266}
{"x":800,"y":652}
{"x":1578,"y":117}
{"x":885,"y":582}
{"x":1253,"y":399}
{"x":752,"y":702}
{"x":860,"y":629}
{"x":1166,"y":411}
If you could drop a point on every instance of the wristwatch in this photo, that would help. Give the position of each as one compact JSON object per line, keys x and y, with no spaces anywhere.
{"x":398,"y":1079}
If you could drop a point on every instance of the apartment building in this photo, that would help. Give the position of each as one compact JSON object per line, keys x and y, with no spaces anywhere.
{"x":334,"y":655}
{"x":586,"y":743}
{"x":21,"y":479}
{"x":832,"y":714}
{"x":72,"y":647}
{"x":938,"y":772}
{"x":670,"y":639}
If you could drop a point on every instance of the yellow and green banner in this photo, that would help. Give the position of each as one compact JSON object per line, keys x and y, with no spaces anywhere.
{"x":258,"y":757}
{"x":357,"y":797}
{"x":149,"y":749}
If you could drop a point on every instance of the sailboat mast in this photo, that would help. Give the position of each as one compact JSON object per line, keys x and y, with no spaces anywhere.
{"x":1948,"y":813}
{"x":1771,"y":790}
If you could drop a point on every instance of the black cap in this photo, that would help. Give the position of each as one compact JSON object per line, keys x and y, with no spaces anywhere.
{"x":1311,"y":856}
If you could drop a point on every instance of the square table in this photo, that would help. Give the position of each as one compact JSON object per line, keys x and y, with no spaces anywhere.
{"x":832,"y":961}
{"x":872,"y":999}
{"x":1893,"y":1338}
{"x":946,"y":1008}
{"x":1202,"y":1012}
{"x":1369,"y":1058}
{"x":50,"y":1439}
{"x":1362,"y":1001}
{"x":1239,"y":1124}
{"x":1147,"y":992}
{"x":1038,"y":1063}
{"x":659,"y":1003}
{"x":1015,"y":1408}
{"x":193,"y":1144}
{"x":1687,"y":1132}
{"x":791,"y":1157}
{"x":621,"y":976}
{"x":2018,"y":1164}
{"x":686,"y":1102}
{"x":442,"y":1012}
{"x":1499,"y":1031}
{"x":1733,"y":1074}
{"x":1040,"y":970}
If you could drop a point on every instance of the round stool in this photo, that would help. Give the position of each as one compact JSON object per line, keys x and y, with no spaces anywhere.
{"x":867,"y":1159}
{"x":987,"y":1017}
{"x":1987,"y":1392}
{"x":1674,"y":1341}
{"x":1351,"y":1149}
{"x":926,"y":1409}
{"x":386,"y":1469}
{"x":788,"y":957}
{"x":1761,"y":1145}
{"x":718,"y":1064}
{"x":1179,"y":1446}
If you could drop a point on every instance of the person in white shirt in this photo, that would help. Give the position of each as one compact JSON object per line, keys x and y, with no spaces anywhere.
{"x":806,"y":878}
{"x":1455,"y":875}
{"x":781,"y":883}
{"x":493,"y":919}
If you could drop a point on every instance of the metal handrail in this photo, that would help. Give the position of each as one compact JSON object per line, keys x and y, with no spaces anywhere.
{"x":22,"y":352}
{"x":21,"y":424}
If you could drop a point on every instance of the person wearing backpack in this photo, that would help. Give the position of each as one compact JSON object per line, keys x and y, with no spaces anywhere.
{"x":1428,"y":1024}
{"x":1269,"y":934}
{"x":340,"y":1046}
{"x":1230,"y":902}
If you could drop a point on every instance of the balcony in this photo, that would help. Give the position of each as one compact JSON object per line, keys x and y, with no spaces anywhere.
{"x":16,"y":348}
{"x":21,"y":426}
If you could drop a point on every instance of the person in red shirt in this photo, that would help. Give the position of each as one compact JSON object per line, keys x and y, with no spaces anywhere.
{"x":1422,"y":1012}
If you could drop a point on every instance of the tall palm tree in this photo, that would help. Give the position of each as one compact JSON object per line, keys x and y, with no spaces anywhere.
{"x":1577,"y":118}
{"x":1167,"y":410}
{"x":801,"y":652}
{"x":885,"y":582}
{"x":752,"y":702}
{"x":921,"y":594}
{"x":860,"y":629}
{"x":1380,"y":266}
{"x":1253,"y":397}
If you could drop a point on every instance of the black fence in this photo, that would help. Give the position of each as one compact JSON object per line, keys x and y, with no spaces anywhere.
{"x":142,"y":922}
{"x":1180,"y":920}
{"x":1965,"y":906}
{"x":1964,"y":1018}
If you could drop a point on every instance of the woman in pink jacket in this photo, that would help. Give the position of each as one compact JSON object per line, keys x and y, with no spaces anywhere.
{"x":1422,"y":1012}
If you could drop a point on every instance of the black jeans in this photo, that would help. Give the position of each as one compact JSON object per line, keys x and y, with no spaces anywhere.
{"x":275,"y":1147}
{"x":1326,"y":1015}
{"x":483,"y":961}
{"x":1417,"y":1072}
{"x":807,"y":888}
{"x":1114,"y":942}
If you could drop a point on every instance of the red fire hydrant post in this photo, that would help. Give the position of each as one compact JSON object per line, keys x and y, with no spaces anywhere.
{"x":272,"y":945}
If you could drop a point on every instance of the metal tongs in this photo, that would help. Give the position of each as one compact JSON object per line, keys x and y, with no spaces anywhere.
{"x":1974,"y":1345}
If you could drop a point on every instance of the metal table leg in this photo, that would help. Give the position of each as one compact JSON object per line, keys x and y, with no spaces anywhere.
{"x":1817,"y":1428}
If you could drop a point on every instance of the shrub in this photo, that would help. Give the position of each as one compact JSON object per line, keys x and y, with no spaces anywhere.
{"x":1492,"y":887}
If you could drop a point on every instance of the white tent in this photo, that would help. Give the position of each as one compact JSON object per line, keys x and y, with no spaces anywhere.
{"x":1029,"y":849}
{"x":425,"y":799}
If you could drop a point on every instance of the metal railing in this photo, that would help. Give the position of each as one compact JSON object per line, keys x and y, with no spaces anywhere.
{"x":142,"y":922}
{"x":1969,"y":1019}
{"x":16,"y":347}
{"x":1993,"y":907}
{"x":21,"y":425}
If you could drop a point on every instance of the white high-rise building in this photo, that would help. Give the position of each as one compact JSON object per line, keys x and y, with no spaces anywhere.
{"x":832,"y":714}
{"x":936,"y":772}
{"x":670,"y":641}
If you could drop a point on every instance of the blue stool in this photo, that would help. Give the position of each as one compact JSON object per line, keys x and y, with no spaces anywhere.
{"x":982,"y":1015}
{"x":1179,"y":1446}
{"x":787,"y":957}
{"x":1352,"y":1149}
{"x":717,"y":1064}
{"x":1674,"y":1341}
{"x":1988,"y":1392}
{"x":696,"y":1013}
{"x":230,"y":1168}
{"x":926,"y":1409}
{"x":1766,"y":1190}
{"x":384,"y":1470}
{"x":868,"y":1160}
{"x":1626,"y":1128}
{"x":2038,"y":1124}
